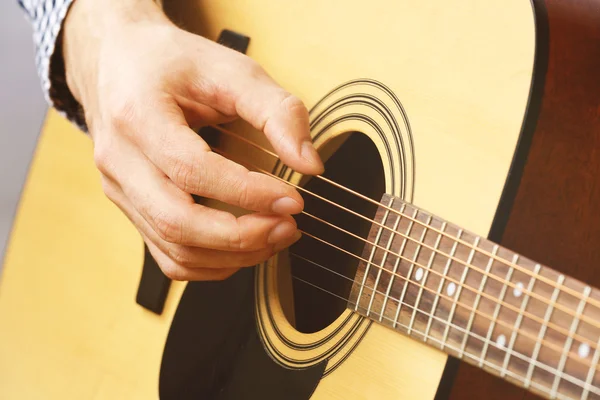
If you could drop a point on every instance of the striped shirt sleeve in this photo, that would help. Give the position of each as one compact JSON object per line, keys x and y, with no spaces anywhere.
{"x":46,"y":18}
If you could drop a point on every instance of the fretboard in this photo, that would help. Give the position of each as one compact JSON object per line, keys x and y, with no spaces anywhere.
{"x":480,"y":302}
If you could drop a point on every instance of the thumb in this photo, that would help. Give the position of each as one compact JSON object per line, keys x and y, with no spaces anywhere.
{"x":281,"y":116}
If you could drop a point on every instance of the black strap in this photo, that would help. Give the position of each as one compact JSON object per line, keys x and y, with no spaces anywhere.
{"x":154,"y":285}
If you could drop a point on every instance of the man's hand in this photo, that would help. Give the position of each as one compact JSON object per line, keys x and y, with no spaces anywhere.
{"x":143,"y":82}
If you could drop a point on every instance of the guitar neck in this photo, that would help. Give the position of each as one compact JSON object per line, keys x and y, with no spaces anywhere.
{"x":477,"y":301}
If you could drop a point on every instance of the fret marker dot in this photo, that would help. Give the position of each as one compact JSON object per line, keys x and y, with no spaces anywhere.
{"x":419,"y":274}
{"x":451,"y":288}
{"x":584,"y":350}
{"x":501,"y":341}
{"x":518,"y":290}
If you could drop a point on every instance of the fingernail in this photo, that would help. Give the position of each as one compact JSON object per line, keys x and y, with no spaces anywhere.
{"x":309,"y":153}
{"x":287,"y":243}
{"x":281,"y":231}
{"x":286,"y":205}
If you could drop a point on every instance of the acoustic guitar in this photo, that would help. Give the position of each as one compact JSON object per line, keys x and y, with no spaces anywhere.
{"x":457,"y":220}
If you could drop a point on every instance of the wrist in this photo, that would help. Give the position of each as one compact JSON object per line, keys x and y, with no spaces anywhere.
{"x":93,"y":24}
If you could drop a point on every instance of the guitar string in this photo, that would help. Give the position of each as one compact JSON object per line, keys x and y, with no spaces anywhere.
{"x":476,"y":291}
{"x":576,"y":381}
{"x":548,"y":281}
{"x":431,"y":316}
{"x":525,"y":314}
{"x":458,"y":240}
{"x":518,"y":331}
{"x":570,"y":354}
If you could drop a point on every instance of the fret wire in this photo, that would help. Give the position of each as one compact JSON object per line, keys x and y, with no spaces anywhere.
{"x":569,"y":341}
{"x":541,"y":365}
{"x":460,"y":286}
{"x":384,"y":258}
{"x":437,"y":296}
{"x":513,"y":352}
{"x":495,"y":316}
{"x":507,"y":355}
{"x":478,"y":297}
{"x":542,"y":333}
{"x":389,"y":288}
{"x":429,"y":263}
{"x":591,"y":372}
{"x":444,"y":274}
{"x":500,"y":259}
{"x":379,"y":232}
{"x":362,"y":196}
{"x":408,"y":280}
{"x":497,"y":258}
{"x":412,"y":265}
{"x":489,"y":364}
{"x":469,"y":261}
{"x":508,"y":305}
{"x":513,"y":336}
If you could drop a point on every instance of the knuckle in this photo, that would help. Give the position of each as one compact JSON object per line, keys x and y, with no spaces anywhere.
{"x":102,"y":156}
{"x":213,"y":92}
{"x":122,"y":114}
{"x":243,"y":194}
{"x":185,"y":174}
{"x":239,"y":64}
{"x":286,"y":104}
{"x":180,"y":256}
{"x":236,"y":243}
{"x":236,"y":240}
{"x":108,"y":188}
{"x":253,"y":68}
{"x":223,"y":274}
{"x":173,"y":271}
{"x":293,"y":105}
{"x":236,"y":62}
{"x":201,"y":88}
{"x":168,"y":227}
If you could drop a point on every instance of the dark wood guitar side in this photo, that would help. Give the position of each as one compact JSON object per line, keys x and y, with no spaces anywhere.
{"x":549,"y":202}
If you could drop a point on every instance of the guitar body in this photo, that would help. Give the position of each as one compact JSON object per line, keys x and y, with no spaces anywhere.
{"x":441,"y":104}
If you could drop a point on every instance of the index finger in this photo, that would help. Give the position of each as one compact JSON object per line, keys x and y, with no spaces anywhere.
{"x":175,"y":218}
{"x":188,"y":161}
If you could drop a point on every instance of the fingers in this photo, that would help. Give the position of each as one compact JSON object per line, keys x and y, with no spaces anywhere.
{"x":179,"y":273}
{"x":195,"y":257}
{"x":187,"y":160}
{"x":234,"y":84}
{"x":190,"y":263}
{"x":174,"y":216}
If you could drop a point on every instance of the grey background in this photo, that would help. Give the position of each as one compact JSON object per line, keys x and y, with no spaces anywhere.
{"x":22,"y":110}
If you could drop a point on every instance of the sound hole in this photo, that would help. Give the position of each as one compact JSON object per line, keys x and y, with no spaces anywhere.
{"x":356,"y":164}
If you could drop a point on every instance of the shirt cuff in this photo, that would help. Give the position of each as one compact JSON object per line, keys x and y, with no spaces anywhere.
{"x":51,"y":67}
{"x":47,"y":17}
{"x":54,"y":79}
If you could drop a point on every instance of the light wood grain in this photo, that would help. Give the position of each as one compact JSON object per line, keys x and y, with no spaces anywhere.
{"x":70,"y":326}
{"x":462,"y":75}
